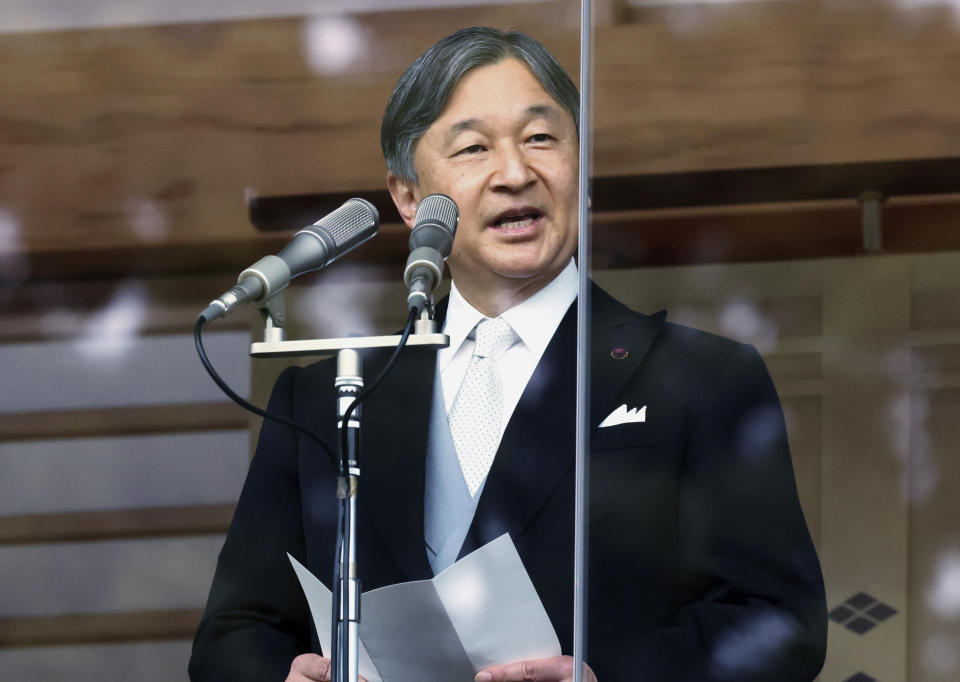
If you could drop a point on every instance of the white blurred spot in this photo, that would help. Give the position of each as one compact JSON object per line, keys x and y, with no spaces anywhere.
{"x":910,"y":441}
{"x":147,"y":219}
{"x":940,"y":655}
{"x":899,"y":362}
{"x":750,"y":647}
{"x":899,"y":411}
{"x":761,"y":429}
{"x":46,"y":15}
{"x":348,"y":302}
{"x":331,"y":44}
{"x":9,"y":231}
{"x":683,"y":19}
{"x":943,"y":594}
{"x":741,"y":320}
{"x":112,"y":331}
{"x":464,"y":593}
{"x":691,"y":317}
{"x":953,"y":6}
{"x":14,"y":264}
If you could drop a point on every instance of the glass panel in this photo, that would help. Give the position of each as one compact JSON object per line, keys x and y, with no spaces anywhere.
{"x":781,"y":181}
{"x":151,"y":152}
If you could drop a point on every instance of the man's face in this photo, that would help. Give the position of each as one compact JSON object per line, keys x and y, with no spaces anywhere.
{"x":507,"y":154}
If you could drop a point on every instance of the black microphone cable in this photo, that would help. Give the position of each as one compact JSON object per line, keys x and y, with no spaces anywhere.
{"x":198,"y":342}
{"x":320,"y":440}
{"x":367,"y":390}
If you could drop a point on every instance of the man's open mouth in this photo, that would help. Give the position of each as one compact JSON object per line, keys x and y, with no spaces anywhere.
{"x":517,"y":220}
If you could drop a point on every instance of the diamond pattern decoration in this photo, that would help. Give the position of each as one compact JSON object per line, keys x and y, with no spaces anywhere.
{"x":860,"y":614}
{"x":841,"y":614}
{"x":861,"y":677}
{"x":881,"y":612}
{"x":860,"y":625}
{"x":861,"y":600}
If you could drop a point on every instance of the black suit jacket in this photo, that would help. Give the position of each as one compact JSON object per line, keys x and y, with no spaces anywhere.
{"x":701,"y":567}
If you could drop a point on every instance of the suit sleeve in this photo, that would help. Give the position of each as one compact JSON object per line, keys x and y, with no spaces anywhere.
{"x":256,"y":620}
{"x":752,"y":604}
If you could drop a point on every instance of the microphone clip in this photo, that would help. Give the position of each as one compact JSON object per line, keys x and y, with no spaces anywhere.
{"x":274,"y":313}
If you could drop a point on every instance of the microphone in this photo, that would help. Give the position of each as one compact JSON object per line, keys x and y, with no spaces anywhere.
{"x":430,"y":243}
{"x":312,"y":248}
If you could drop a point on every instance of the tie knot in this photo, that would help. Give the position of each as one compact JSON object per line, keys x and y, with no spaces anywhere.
{"x":494,"y":337}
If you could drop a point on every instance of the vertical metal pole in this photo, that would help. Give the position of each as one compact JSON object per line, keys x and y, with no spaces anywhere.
{"x":581,"y":499}
{"x":346,"y":604}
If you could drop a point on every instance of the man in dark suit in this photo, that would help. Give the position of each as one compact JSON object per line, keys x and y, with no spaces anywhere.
{"x":701,"y":567}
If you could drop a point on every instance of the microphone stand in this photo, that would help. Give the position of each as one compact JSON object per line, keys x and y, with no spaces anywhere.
{"x":345,"y":587}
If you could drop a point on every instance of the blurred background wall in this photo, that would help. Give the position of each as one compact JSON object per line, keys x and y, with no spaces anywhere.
{"x":786,"y":173}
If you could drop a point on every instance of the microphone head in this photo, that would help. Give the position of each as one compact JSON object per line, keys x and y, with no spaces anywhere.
{"x":318,"y":245}
{"x":435,"y":224}
{"x":350,"y":225}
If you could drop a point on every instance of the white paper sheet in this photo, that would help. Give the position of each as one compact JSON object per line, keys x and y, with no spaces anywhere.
{"x":480,"y":611}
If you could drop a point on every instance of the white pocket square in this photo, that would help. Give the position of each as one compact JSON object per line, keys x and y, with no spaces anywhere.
{"x":622,"y":415}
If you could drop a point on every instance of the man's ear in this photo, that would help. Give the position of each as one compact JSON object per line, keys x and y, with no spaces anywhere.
{"x":404,"y":194}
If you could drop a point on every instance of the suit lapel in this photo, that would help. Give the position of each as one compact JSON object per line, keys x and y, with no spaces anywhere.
{"x":394,"y":447}
{"x":538,"y":445}
{"x":533,"y":456}
{"x":620,"y":341}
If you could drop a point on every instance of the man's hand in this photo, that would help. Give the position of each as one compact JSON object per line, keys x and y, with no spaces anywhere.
{"x":311,"y":668}
{"x":556,"y":669}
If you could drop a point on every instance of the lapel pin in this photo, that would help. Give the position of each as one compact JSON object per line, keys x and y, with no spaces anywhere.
{"x":619,"y":353}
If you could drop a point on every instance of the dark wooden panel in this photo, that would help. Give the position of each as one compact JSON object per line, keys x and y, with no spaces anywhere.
{"x":121,"y":421}
{"x":723,"y":236}
{"x":99,"y":628}
{"x":776,"y":184}
{"x":680,"y":190}
{"x":709,"y":234}
{"x":388,"y":248}
{"x":115,"y":524}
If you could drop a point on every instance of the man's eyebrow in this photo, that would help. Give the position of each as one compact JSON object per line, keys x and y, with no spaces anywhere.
{"x":543,"y":110}
{"x":459,"y":127}
{"x":546,"y":111}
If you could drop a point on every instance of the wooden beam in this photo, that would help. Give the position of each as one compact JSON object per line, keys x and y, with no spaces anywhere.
{"x":715,"y":188}
{"x":622,"y":239}
{"x":179,"y":260}
{"x":22,"y":529}
{"x":122,"y":421}
{"x":130,"y":150}
{"x":98,"y":628}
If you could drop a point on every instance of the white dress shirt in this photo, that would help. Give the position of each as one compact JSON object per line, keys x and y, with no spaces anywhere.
{"x":534,"y":320}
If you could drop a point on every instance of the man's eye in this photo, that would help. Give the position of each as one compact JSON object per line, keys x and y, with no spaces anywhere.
{"x":540,"y":137}
{"x":472,"y":149}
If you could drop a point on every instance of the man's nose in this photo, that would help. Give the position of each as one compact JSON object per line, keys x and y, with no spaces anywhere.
{"x":512,"y":171}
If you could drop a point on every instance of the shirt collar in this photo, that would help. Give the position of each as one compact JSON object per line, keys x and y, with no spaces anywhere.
{"x":460,"y":320}
{"x":534,"y":320}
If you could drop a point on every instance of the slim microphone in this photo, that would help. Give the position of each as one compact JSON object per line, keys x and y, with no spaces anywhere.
{"x":312,"y":248}
{"x":430,"y":243}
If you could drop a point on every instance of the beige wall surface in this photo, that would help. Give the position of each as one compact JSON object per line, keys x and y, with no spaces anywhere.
{"x":130,"y":152}
{"x":865,"y":355}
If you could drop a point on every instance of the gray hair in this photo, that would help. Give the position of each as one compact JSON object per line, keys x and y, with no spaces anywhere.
{"x":421,"y":93}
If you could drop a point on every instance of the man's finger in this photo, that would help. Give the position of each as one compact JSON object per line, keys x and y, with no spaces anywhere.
{"x":554,"y":669}
{"x":309,"y":667}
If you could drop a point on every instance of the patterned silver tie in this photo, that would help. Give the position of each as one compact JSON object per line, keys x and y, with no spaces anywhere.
{"x":477,"y":412}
